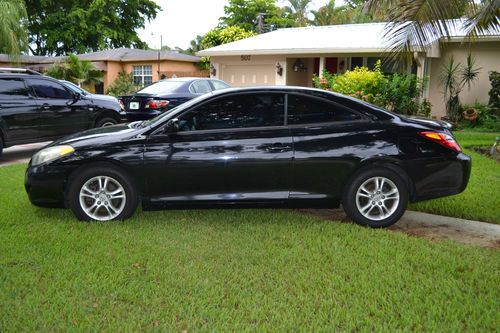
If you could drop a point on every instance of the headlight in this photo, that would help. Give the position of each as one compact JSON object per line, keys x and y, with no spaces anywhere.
{"x":50,"y":154}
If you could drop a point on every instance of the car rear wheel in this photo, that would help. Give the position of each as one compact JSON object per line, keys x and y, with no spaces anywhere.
{"x":376,"y":197}
{"x":1,"y":146}
{"x":102,"y":193}
{"x":105,"y":122}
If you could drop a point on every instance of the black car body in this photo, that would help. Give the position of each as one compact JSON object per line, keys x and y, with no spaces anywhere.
{"x":164,"y":95}
{"x":272,"y":146}
{"x":36,"y":108}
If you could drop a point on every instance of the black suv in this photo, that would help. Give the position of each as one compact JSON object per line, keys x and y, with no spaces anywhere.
{"x":37,"y":108}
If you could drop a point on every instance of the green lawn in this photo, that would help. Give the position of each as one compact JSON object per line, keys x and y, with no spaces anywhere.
{"x":232,"y":270}
{"x":480,"y":200}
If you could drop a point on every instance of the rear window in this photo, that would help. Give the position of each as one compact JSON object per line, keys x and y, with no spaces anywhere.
{"x":307,"y":110}
{"x":13,"y":89}
{"x":162,"y":87}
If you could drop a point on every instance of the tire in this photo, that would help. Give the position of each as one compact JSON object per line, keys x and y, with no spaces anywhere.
{"x":1,"y":146}
{"x":375,"y":207}
{"x":90,"y":202}
{"x":106,"y":121}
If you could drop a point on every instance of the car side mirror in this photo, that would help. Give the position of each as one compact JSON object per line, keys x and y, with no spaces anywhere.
{"x":172,"y":126}
{"x":76,"y":96}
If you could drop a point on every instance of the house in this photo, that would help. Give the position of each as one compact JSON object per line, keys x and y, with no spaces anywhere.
{"x":146,"y":66}
{"x":291,"y":56}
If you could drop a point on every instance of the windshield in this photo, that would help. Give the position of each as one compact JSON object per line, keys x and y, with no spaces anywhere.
{"x":161,"y":87}
{"x":158,"y":119}
{"x":74,"y":87}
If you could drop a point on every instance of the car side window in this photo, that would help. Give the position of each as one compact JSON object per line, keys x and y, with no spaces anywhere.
{"x":219,"y":85}
{"x":13,"y":89}
{"x":238,"y":111}
{"x":200,"y":87}
{"x":49,"y":89}
{"x":307,"y":110}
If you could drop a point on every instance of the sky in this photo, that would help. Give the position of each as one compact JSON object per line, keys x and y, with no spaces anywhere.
{"x":180,"y":21}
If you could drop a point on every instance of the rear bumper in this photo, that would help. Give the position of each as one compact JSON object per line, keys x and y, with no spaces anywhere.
{"x":439,"y":177}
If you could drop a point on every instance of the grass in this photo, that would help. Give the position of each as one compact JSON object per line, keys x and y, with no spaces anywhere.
{"x":232,"y":270}
{"x":480,"y":200}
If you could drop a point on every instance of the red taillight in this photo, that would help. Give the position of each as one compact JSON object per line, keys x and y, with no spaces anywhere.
{"x":156,"y":104}
{"x":443,"y":139}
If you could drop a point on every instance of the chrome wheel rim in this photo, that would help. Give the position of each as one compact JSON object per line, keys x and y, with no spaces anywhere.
{"x":107,"y":124}
{"x":102,"y":198}
{"x":377,"y":198}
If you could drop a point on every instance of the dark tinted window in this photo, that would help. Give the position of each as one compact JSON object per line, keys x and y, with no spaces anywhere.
{"x":249,"y":110}
{"x":49,"y":89}
{"x":13,"y":89}
{"x":306,"y":110}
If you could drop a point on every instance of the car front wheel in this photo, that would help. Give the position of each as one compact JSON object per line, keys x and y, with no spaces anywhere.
{"x":102,"y":193}
{"x":376,"y":197}
{"x":106,"y":122}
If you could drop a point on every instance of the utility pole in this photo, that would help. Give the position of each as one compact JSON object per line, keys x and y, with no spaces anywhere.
{"x":159,"y":56}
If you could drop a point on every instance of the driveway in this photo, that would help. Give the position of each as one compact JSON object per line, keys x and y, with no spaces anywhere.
{"x":432,"y":226}
{"x":20,"y":154}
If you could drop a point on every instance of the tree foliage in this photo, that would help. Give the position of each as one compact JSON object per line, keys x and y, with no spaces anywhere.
{"x":219,"y":36}
{"x":13,"y":34}
{"x":298,"y":11}
{"x":79,"y":26}
{"x":245,"y":13}
{"x":122,"y":85}
{"x":75,"y":70}
{"x":415,"y":25}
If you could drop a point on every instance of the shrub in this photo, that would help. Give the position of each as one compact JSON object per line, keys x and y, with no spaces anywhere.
{"x":488,"y":118}
{"x":122,"y":85}
{"x":494,"y":92}
{"x":397,"y":92}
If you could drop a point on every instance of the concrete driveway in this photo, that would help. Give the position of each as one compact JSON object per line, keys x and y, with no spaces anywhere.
{"x":20,"y":154}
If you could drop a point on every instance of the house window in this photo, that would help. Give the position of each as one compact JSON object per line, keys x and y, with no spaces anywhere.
{"x":356,"y":62}
{"x":143,"y":75}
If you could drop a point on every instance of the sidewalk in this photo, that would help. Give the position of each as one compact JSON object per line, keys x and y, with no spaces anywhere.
{"x":432,"y":226}
{"x":20,"y":154}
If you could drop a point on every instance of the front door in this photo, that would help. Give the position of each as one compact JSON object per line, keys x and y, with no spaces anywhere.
{"x":19,"y":115}
{"x":234,"y":148}
{"x":60,"y":112}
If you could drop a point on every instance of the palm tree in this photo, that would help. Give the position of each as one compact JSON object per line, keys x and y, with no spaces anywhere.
{"x":13,"y":35}
{"x":297,"y":10}
{"x":329,"y":14}
{"x":415,"y":25}
{"x":75,"y":70}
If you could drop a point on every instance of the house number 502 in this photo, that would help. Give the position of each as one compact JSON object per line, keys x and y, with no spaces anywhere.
{"x":245,"y":58}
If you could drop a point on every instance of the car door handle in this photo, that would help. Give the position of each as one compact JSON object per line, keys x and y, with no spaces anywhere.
{"x":45,"y":106}
{"x":277,"y":147}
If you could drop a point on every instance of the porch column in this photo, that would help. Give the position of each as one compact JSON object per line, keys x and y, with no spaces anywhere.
{"x":321,"y":66}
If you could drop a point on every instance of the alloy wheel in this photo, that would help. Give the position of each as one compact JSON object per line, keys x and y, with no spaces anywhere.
{"x":102,"y":198}
{"x":377,"y":198}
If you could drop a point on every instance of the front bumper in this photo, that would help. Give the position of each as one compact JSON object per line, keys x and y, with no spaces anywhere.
{"x":46,"y":184}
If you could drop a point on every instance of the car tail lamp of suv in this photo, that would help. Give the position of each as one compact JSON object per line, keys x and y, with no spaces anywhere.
{"x":443,"y":139}
{"x":156,"y":104}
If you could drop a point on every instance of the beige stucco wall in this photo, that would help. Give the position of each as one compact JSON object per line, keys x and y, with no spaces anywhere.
{"x":114,"y":67}
{"x":487,"y":56}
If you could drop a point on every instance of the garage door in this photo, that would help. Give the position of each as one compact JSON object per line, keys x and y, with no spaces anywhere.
{"x":249,"y":75}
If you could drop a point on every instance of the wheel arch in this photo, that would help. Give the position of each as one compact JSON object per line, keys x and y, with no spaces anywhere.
{"x":101,"y":162}
{"x":387,"y":162}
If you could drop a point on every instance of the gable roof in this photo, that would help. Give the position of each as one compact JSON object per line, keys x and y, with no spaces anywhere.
{"x":124,"y":54}
{"x":120,"y":54}
{"x":345,"y":38}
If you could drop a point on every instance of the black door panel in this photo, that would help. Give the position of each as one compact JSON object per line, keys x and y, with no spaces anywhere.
{"x":60,"y":112}
{"x":230,"y":165}
{"x":18,"y":111}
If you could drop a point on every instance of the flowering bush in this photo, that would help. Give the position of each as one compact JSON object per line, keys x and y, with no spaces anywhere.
{"x":396,"y":92}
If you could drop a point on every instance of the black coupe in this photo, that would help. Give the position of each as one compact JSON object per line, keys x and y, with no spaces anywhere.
{"x":258,"y":147}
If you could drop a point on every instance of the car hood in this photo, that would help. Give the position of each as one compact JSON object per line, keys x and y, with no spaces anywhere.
{"x":101,"y":136}
{"x":100,"y":97}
